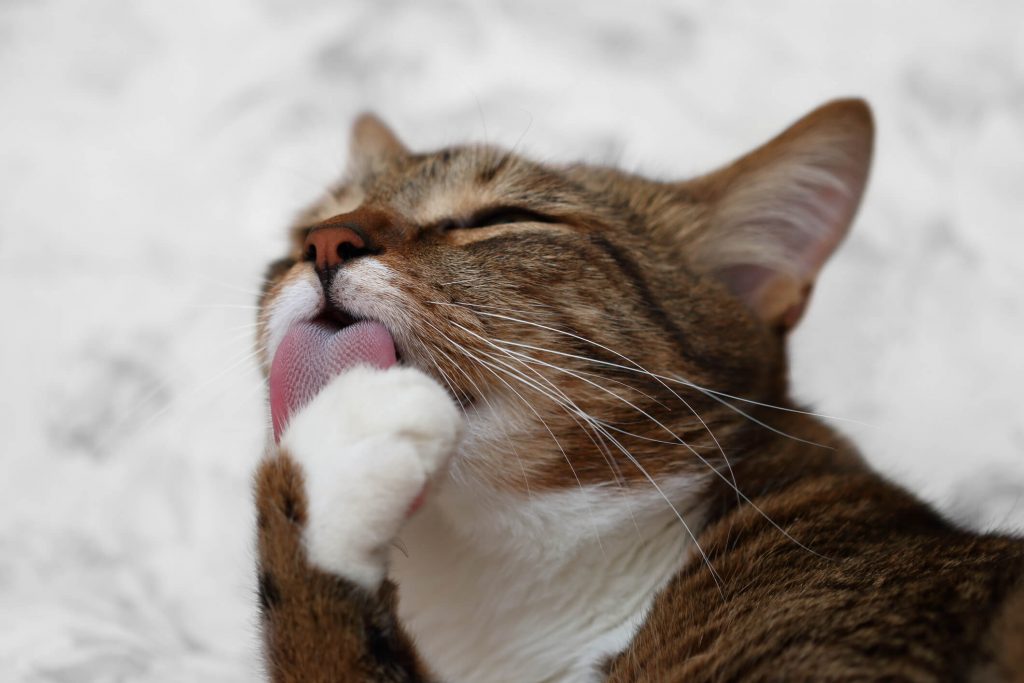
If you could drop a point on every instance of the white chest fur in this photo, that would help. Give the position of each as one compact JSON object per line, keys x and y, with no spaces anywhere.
{"x":516,"y":591}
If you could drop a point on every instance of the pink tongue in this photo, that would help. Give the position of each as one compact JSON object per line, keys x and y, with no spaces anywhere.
{"x":312,"y":353}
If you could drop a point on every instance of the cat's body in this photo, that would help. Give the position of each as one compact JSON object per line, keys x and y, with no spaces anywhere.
{"x":617,"y":485}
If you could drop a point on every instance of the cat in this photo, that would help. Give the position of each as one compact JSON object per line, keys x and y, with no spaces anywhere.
{"x":532,"y":423}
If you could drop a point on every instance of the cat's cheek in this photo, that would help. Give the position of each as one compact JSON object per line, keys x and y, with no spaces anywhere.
{"x":369,"y":446}
{"x":296,"y":298}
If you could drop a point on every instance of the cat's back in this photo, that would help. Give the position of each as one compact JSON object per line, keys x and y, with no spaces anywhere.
{"x":852,"y":579}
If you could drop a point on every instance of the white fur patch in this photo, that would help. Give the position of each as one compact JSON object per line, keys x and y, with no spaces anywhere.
{"x":368,"y":444}
{"x":298,"y":300}
{"x":365,"y":288}
{"x":537,"y":590}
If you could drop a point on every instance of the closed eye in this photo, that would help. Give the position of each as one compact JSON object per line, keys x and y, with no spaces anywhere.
{"x":498,"y":215}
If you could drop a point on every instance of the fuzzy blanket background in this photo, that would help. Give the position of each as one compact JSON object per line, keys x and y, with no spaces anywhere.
{"x":151,"y":153}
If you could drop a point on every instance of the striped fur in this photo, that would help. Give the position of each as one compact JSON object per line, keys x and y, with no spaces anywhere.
{"x":616,"y":349}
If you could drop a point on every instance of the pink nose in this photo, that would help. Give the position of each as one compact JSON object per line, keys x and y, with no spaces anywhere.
{"x":329,"y":246}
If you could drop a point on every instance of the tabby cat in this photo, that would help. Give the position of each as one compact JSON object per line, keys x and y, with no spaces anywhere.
{"x":531,"y":423}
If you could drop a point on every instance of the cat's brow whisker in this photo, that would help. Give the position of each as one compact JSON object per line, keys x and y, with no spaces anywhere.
{"x":522,"y":136}
{"x":483,"y":121}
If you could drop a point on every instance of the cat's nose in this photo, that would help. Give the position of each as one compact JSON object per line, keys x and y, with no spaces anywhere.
{"x":331,"y":246}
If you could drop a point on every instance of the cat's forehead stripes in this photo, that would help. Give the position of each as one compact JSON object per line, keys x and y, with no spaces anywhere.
{"x":455,"y":183}
{"x":452,"y":183}
{"x":449,"y":201}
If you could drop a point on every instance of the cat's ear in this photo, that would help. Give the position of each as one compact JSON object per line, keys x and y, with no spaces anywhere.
{"x":373,"y":144}
{"x":778,"y":213}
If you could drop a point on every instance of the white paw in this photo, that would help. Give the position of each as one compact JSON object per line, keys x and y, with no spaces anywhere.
{"x":369,"y":443}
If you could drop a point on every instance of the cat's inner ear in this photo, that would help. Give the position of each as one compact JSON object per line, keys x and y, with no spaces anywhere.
{"x":778,"y":213}
{"x":373,"y":144}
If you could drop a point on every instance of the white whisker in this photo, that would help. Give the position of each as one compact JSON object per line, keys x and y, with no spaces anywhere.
{"x":485,"y":365}
{"x":731,"y":481}
{"x":487,"y":402}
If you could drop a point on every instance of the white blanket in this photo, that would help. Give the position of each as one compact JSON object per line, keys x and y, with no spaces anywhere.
{"x":151,"y":153}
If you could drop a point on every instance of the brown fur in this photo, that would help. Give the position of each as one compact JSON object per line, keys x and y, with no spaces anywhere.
{"x":821,"y":570}
{"x":882,"y":588}
{"x":318,"y":627}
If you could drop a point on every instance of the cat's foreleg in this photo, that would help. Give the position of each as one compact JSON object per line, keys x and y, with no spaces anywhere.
{"x":331,"y":497}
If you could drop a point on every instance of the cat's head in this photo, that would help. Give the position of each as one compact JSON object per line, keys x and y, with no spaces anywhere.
{"x":594,"y":325}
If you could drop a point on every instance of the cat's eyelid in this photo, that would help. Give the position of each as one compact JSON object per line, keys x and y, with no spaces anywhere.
{"x":498,"y":215}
